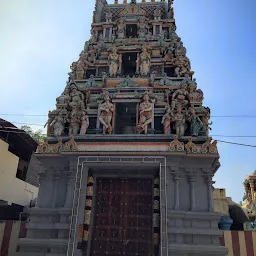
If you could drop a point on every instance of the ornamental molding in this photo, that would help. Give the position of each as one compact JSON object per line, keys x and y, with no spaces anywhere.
{"x":176,"y":145}
{"x":209,"y":148}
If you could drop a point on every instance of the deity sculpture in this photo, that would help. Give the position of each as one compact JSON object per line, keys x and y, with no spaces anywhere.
{"x":93,"y":36}
{"x":64,"y":98}
{"x":106,"y":114}
{"x":195,"y":123}
{"x":77,"y":98}
{"x":114,"y":61}
{"x":91,"y":57}
{"x":142,"y":27}
{"x":165,"y":80}
{"x":179,"y":97}
{"x":80,"y":69}
{"x":180,"y":125}
{"x":72,"y":74}
{"x":152,"y":78}
{"x":74,"y":122}
{"x":121,"y":29}
{"x":91,"y":81}
{"x":145,"y":112}
{"x":84,"y":123}
{"x":206,"y":123}
{"x":167,"y":119}
{"x":58,"y":124}
{"x":144,"y":62}
{"x":194,"y":94}
{"x":182,"y":65}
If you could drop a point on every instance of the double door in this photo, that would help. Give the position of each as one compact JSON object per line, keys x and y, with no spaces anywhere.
{"x":123,"y":217}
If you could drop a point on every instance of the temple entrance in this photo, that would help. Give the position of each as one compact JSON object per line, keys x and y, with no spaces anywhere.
{"x":131,"y":30}
{"x":123,"y":222}
{"x":125,"y":118}
{"x":129,"y":63}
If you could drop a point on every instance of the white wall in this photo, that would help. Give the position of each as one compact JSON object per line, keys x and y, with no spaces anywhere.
{"x":13,"y":190}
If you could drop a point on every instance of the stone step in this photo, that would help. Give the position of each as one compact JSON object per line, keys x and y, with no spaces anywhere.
{"x":34,"y":254}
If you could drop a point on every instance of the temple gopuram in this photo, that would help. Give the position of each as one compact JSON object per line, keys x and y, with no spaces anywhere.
{"x":128,"y":162}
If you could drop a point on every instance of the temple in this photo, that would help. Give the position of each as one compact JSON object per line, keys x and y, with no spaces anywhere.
{"x":128,"y":163}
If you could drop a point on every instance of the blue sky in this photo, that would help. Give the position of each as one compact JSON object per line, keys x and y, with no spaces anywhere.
{"x":40,"y":39}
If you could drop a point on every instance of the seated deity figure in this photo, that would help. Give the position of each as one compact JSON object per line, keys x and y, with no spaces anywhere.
{"x":143,"y":62}
{"x":114,"y":60}
{"x":165,"y":80}
{"x":180,"y":122}
{"x":91,"y":81}
{"x":145,"y":112}
{"x":106,"y":114}
{"x":77,"y":98}
{"x":167,"y":119}
{"x":179,"y":97}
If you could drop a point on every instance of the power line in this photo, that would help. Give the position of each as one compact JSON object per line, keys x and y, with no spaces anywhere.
{"x":22,"y":123}
{"x":239,"y":144}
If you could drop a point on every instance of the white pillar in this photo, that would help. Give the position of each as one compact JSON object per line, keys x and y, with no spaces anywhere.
{"x":210,"y":193}
{"x":192,"y":193}
{"x":177,"y":191}
{"x":70,"y":186}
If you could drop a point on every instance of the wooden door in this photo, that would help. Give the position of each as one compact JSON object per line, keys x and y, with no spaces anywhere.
{"x":123,"y":218}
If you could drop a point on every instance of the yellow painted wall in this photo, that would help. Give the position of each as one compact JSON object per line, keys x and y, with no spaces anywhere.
{"x":13,"y":190}
{"x":221,"y":202}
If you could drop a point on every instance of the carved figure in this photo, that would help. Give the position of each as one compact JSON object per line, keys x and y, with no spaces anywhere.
{"x":72,"y":74}
{"x":104,"y":79}
{"x":152,"y":78}
{"x":91,"y":57}
{"x":182,"y":66}
{"x":206,"y":123}
{"x":77,"y":98}
{"x":166,"y":120}
{"x":106,"y":113}
{"x":145,"y":111}
{"x":179,"y":119}
{"x":115,"y":61}
{"x":93,"y":36}
{"x":74,"y":122}
{"x":80,"y":70}
{"x":144,"y":61}
{"x":179,"y":97}
{"x":142,"y":27}
{"x":194,"y":94}
{"x":91,"y":81}
{"x":84,"y":123}
{"x":165,"y":80}
{"x":121,"y":29}
{"x":58,"y":124}
{"x":195,"y":123}
{"x":64,"y":98}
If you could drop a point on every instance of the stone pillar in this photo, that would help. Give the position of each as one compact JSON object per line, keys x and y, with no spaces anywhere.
{"x":176,"y":179}
{"x":71,"y":172}
{"x":56,"y":178}
{"x":98,"y":121}
{"x":210,"y":182}
{"x":192,"y":182}
{"x":42,"y":179}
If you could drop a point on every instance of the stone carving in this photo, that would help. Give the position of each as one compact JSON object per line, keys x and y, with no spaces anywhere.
{"x":77,"y":98}
{"x":93,"y":36}
{"x":64,"y":98}
{"x":58,"y":123}
{"x":74,"y":122}
{"x":91,"y":81}
{"x":133,"y":8}
{"x":209,"y":147}
{"x":191,"y":147}
{"x":152,"y":78}
{"x":195,"y":96}
{"x":45,"y":147}
{"x":179,"y":119}
{"x":106,"y":114}
{"x":145,"y":112}
{"x":165,"y":80}
{"x":121,"y":29}
{"x":91,"y":57}
{"x":206,"y":123}
{"x":169,"y":53}
{"x":127,"y":83}
{"x":70,"y":145}
{"x":114,"y":61}
{"x":167,"y":119}
{"x":144,"y":62}
{"x":104,"y":79}
{"x":176,"y":145}
{"x":195,"y":123}
{"x":142,"y":27}
{"x":179,"y":97}
{"x":84,"y":123}
{"x":109,"y":16}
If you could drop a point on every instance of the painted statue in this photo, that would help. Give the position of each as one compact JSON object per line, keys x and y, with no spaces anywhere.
{"x":74,"y":122}
{"x":114,"y":61}
{"x":77,"y":98}
{"x":166,"y":120}
{"x":195,"y":123}
{"x":179,"y":97}
{"x":165,"y":80}
{"x":106,"y":114}
{"x":180,"y":122}
{"x":121,"y":29}
{"x":142,"y":27}
{"x":84,"y":123}
{"x":58,"y":124}
{"x":145,"y":112}
{"x":144,"y":61}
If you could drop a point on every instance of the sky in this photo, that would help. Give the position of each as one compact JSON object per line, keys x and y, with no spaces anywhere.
{"x":40,"y":39}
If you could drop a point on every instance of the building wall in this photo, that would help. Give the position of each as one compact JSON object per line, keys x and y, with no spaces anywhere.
{"x":13,"y":190}
{"x":221,"y":202}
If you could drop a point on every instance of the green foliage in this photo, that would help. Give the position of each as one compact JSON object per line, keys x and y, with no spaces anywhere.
{"x":37,"y":135}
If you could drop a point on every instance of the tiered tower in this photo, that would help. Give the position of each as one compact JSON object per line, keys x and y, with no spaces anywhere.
{"x":128,"y":163}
